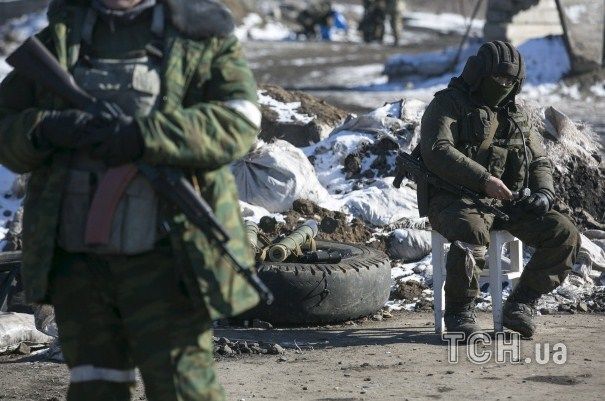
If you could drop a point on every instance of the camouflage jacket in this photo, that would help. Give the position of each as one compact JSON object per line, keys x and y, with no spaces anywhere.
{"x":453,"y":128}
{"x":208,"y":117}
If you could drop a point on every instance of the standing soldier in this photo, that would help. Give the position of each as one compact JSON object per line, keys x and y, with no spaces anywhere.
{"x":372,"y":23}
{"x":146,"y":294}
{"x":394,"y":10}
{"x":474,"y":134}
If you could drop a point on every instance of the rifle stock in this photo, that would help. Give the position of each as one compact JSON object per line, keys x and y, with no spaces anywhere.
{"x":32,"y":59}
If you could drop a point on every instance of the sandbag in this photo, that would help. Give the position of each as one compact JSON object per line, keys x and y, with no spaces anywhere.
{"x":19,"y":328}
{"x":409,"y":245}
{"x":276,"y":174}
{"x":591,"y":254}
{"x":380,"y":204}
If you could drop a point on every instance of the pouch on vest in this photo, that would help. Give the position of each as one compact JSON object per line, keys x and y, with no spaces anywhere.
{"x":497,"y":161}
{"x":134,"y":85}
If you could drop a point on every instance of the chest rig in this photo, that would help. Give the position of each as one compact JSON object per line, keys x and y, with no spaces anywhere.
{"x":498,"y":140}
{"x":134,"y":85}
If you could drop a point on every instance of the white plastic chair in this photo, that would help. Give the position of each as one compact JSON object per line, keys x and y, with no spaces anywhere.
{"x":495,"y":259}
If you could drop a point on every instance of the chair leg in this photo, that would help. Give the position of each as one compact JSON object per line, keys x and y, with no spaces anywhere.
{"x":438,"y":260}
{"x":516,"y":256}
{"x":495,"y":279}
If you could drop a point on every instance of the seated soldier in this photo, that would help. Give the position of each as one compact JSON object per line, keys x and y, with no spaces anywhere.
{"x":474,"y":134}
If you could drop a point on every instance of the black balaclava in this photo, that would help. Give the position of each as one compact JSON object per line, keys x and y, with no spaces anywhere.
{"x":494,"y":58}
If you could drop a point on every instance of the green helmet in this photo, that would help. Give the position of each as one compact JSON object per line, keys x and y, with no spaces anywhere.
{"x":494,"y":58}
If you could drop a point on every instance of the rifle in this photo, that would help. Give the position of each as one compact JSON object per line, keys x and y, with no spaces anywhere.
{"x":33,"y":60}
{"x":413,"y":167}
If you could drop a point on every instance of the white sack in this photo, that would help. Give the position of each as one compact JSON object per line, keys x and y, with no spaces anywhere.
{"x":381,"y":204}
{"x":409,"y":245}
{"x":276,"y":174}
{"x":18,"y":328}
{"x":591,"y":254}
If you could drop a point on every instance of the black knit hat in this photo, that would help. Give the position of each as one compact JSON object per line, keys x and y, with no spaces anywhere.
{"x":494,"y":58}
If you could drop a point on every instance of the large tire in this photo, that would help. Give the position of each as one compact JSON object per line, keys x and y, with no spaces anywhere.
{"x":326,"y":293}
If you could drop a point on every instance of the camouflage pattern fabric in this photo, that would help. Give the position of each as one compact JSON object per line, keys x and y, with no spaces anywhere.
{"x":131,"y":311}
{"x":394,"y":9}
{"x":194,"y":128}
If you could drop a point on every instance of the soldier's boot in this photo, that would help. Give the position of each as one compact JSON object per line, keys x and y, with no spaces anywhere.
{"x":520,"y":309}
{"x":460,"y":317}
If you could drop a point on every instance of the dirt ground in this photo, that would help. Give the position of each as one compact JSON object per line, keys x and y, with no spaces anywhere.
{"x":396,"y":359}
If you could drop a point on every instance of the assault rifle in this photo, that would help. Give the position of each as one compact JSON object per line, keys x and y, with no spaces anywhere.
{"x":411,"y":166}
{"x":34,"y":61}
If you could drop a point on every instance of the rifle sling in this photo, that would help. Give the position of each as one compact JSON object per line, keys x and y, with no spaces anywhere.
{"x":105,"y":202}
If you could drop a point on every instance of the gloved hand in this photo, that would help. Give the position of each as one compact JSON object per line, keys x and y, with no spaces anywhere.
{"x":61,"y":129}
{"x":118,"y":141}
{"x":537,"y":203}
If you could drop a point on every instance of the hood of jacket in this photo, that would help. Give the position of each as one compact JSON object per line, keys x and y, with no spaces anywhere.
{"x":495,"y":57}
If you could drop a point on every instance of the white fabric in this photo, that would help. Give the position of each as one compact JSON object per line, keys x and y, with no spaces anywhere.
{"x":276,"y":174}
{"x":591,"y":254}
{"x":18,"y":328}
{"x":409,"y":245}
{"x":87,"y":373}
{"x":247,"y":109}
{"x":472,"y":251}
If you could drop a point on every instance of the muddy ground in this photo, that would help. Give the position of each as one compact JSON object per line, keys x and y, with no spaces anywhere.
{"x":396,"y":359}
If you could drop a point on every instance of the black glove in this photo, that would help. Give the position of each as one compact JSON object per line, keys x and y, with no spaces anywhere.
{"x":537,"y":203}
{"x":116,"y":142}
{"x":61,"y":129}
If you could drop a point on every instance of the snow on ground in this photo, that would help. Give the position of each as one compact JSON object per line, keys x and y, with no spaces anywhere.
{"x":546,"y":61}
{"x":444,"y":23}
{"x":15,"y":32}
{"x":254,"y":27}
{"x":286,"y":112}
{"x":8,"y":202}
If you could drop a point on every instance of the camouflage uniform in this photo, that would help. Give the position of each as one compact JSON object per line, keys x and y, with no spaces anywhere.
{"x":372,"y":24}
{"x":394,"y":10}
{"x":454,"y":126}
{"x":114,"y":311}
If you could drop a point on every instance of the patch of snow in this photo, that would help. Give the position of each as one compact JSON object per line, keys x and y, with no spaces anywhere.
{"x":576,"y":12}
{"x":444,"y":22}
{"x":287,"y":112}
{"x":254,"y":27}
{"x":255,"y":213}
{"x":16,"y":31}
{"x":598,"y":89}
{"x":8,"y":202}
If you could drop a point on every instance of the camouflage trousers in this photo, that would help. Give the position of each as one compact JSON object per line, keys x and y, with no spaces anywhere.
{"x":118,"y":313}
{"x":555,"y":238}
{"x":394,"y":12}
